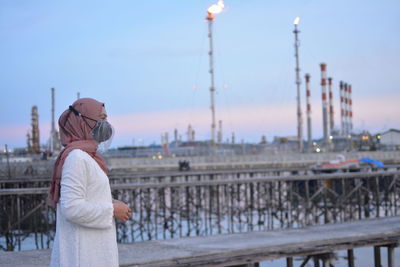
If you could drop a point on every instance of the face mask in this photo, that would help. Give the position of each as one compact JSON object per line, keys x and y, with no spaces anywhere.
{"x":102,"y":131}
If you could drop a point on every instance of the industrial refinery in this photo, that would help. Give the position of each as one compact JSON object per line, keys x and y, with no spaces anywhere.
{"x":339,"y":137}
{"x":230,"y":120}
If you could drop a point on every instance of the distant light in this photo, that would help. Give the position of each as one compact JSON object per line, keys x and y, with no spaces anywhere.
{"x":159,"y":156}
{"x":296,"y":20}
{"x":318,"y":150}
{"x":331,"y":137}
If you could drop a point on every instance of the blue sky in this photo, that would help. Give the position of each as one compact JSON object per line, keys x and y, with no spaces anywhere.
{"x":144,"y":59}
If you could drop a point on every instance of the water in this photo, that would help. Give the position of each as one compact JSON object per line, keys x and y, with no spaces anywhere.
{"x":363,"y":257}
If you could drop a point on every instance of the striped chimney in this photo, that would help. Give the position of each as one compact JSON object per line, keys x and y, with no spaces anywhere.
{"x":308,"y":95}
{"x":324,"y":104}
{"x":346,"y":109}
{"x":331,"y":113}
{"x":342,"y":109}
{"x":350,"y":109}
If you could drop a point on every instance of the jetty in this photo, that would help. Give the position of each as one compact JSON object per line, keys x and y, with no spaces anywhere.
{"x":315,"y":243}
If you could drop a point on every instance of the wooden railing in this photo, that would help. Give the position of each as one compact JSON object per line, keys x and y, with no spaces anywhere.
{"x":193,"y":206}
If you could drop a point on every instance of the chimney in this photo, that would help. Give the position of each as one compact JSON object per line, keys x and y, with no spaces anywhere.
{"x":342,"y":109}
{"x":176,"y":137}
{"x":346,"y":110}
{"x":350,"y":109}
{"x":190,"y":133}
{"x":324,"y":105}
{"x":308,"y":96}
{"x":331,"y":112}
{"x":219,"y":132}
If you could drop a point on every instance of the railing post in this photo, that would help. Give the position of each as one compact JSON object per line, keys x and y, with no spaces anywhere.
{"x":253,"y":264}
{"x":316,"y":262}
{"x":289,"y":262}
{"x":19,"y":221}
{"x":377,"y":256}
{"x":350,"y":257}
{"x":391,"y":258}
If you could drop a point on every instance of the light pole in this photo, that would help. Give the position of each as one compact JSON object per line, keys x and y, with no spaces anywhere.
{"x":211,"y":11}
{"x":298,"y":82}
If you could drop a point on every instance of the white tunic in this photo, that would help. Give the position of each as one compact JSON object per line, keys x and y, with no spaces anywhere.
{"x":85,"y":233}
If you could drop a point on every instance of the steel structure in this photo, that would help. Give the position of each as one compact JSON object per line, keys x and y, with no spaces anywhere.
{"x":35,"y":137}
{"x":210,"y":18}
{"x":298,"y":83}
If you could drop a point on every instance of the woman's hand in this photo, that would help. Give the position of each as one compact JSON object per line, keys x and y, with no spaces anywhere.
{"x":121,"y":211}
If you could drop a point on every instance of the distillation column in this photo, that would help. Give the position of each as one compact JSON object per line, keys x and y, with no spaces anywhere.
{"x":35,"y":131}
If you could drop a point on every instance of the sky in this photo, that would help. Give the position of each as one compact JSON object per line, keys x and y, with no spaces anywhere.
{"x":148,"y":62}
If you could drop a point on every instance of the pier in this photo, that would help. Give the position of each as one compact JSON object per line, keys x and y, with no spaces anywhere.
{"x":215,"y":203}
{"x":315,"y":243}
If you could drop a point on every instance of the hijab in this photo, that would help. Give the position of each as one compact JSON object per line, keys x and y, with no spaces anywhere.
{"x":75,"y":133}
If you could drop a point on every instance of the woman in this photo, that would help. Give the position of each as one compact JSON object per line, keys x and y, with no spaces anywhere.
{"x":80,"y":191}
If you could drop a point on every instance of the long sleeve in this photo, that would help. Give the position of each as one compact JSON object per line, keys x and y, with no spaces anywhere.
{"x":74,"y":203}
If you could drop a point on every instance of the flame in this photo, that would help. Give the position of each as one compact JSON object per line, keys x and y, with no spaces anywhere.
{"x":216,"y":8}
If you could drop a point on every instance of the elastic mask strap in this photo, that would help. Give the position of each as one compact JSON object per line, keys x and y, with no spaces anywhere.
{"x":77,"y":113}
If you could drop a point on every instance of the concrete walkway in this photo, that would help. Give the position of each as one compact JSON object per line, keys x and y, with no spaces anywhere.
{"x":230,"y":249}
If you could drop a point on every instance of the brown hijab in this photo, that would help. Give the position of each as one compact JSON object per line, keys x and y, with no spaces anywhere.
{"x":75,"y":133}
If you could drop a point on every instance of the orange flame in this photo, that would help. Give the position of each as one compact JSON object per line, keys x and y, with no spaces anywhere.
{"x":216,"y":8}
